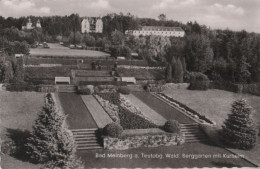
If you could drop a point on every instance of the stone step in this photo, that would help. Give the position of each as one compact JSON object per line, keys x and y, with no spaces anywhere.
{"x":88,"y":145}
{"x":86,"y":138}
{"x":85,"y":135}
{"x":80,"y":130}
{"x":193,"y":134}
{"x":89,"y":148}
{"x":87,"y":141}
{"x":196,"y":140}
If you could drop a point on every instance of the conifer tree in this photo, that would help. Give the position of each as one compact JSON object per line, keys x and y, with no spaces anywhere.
{"x":239,"y":130}
{"x":51,"y":143}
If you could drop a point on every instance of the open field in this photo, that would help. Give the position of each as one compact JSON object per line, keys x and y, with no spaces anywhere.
{"x":18,"y":111}
{"x":162,"y":108}
{"x":58,"y":50}
{"x":90,"y":159}
{"x":79,"y":116}
{"x":214,"y":104}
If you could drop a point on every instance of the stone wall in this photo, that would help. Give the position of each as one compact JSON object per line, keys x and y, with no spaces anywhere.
{"x":135,"y":141}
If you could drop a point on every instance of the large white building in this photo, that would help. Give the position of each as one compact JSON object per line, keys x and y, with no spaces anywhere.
{"x":29,"y":25}
{"x":157,"y":30}
{"x":92,"y":25}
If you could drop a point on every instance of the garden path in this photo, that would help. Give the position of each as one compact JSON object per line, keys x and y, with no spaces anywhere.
{"x":97,"y":112}
{"x":146,"y":110}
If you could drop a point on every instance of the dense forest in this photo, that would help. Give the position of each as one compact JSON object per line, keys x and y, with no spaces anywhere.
{"x":221,"y":54}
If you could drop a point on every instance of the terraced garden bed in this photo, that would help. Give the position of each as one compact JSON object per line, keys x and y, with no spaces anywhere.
{"x":79,"y":116}
{"x":163,"y":108}
{"x":142,"y":74}
{"x":47,"y":72}
{"x":119,"y":113}
{"x":38,"y":61}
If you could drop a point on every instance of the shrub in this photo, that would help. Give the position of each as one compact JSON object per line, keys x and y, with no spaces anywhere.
{"x":172,"y":126}
{"x":198,"y":81}
{"x":154,"y":88}
{"x":113,"y":130}
{"x":123,"y":90}
{"x":239,"y":130}
{"x":85,"y":90}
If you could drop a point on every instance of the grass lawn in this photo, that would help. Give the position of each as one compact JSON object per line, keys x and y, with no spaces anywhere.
{"x":216,"y":105}
{"x":18,"y":111}
{"x":91,"y":161}
{"x":162,"y":108}
{"x":79,"y":116}
{"x":66,"y":52}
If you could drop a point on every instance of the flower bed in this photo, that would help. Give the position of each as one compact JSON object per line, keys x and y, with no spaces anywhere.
{"x":186,"y":109}
{"x":122,"y":112}
{"x":111,"y":109}
{"x":145,"y":138}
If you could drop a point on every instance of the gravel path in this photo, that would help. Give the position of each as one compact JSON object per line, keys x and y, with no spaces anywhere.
{"x":146,"y":110}
{"x":97,"y":112}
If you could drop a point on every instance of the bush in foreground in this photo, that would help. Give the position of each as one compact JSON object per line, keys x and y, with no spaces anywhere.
{"x":52,"y":143}
{"x":123,"y":90}
{"x":172,"y":126}
{"x":113,"y":130}
{"x":239,"y":130}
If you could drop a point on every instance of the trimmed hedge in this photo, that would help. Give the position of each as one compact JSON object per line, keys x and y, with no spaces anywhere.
{"x":123,"y":90}
{"x":19,"y":87}
{"x":113,"y":130}
{"x":172,"y":126}
{"x":198,"y":81}
{"x":85,"y":90}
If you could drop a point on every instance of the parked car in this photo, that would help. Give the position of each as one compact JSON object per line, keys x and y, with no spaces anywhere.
{"x":72,"y":46}
{"x":79,"y":47}
{"x":45,"y":45}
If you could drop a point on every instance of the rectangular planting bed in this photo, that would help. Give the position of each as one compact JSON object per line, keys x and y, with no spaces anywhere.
{"x":79,"y":116}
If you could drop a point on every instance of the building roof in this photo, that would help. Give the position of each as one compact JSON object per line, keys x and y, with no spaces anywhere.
{"x":160,"y":28}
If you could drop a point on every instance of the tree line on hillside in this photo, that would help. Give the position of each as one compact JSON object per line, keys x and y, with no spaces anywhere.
{"x":223,"y":55}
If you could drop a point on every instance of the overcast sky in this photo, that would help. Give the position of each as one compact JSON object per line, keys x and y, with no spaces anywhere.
{"x":232,"y":14}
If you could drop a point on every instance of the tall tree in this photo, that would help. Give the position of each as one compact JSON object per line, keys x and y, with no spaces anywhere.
{"x":239,"y":130}
{"x":51,"y":142}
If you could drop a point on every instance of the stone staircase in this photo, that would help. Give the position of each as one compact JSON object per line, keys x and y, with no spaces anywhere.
{"x":193,"y":133}
{"x":87,"y":139}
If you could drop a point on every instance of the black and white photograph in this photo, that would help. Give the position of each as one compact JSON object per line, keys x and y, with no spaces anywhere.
{"x":129,"y":84}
